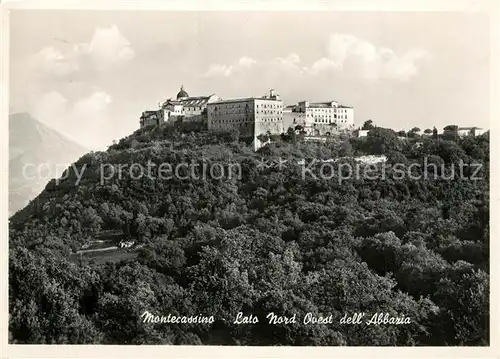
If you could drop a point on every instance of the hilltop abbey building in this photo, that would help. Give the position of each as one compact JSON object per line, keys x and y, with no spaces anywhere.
{"x":182,"y":107}
{"x":319,"y":118}
{"x":254,"y":117}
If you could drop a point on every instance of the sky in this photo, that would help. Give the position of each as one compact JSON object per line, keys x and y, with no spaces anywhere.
{"x":90,"y":74}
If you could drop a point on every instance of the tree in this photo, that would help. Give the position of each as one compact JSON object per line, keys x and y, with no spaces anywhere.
{"x":401,"y":133}
{"x":434,"y":133}
{"x":450,"y":151}
{"x":263,"y":137}
{"x":397,"y":157}
{"x":450,"y":133}
{"x":368,"y":125}
{"x":428,"y":131}
{"x":464,"y":299}
{"x":414,"y":132}
{"x":280,"y":240}
{"x":451,"y":128}
{"x":381,"y":141}
{"x":290,"y":135}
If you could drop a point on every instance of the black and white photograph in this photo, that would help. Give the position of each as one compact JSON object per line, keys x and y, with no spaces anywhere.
{"x":248,"y":178}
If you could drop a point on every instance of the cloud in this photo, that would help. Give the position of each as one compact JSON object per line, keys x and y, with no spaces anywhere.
{"x":84,"y":120}
{"x":290,"y":63}
{"x":49,"y":106}
{"x":291,"y":60}
{"x":323,"y":64}
{"x":60,"y":84}
{"x":246,"y":62}
{"x":109,"y":47}
{"x":106,"y":49}
{"x":54,"y":62}
{"x":349,"y":53}
{"x":216,"y":70}
{"x":346,"y":54}
{"x":96,"y":102}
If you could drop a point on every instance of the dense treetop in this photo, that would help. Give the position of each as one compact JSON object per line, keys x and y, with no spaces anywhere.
{"x":272,"y":241}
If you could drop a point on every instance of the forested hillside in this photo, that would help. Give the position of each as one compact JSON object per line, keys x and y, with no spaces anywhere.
{"x":273,"y":241}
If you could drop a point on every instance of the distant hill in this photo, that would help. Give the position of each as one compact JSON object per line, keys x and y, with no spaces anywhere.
{"x":33,"y":143}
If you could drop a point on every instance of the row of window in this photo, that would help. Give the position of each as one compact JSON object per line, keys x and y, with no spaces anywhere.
{"x":236,"y":111}
{"x":328,"y":110}
{"x":270,"y":112}
{"x":269,"y":105}
{"x":245,"y":120}
{"x":232,"y":120}
{"x":271,"y":119}
{"x":261,"y":117}
{"x":231,"y":105}
{"x":241,"y":105}
{"x":230,"y":112}
{"x":327,"y":121}
{"x":327,"y":116}
{"x":225,"y":125}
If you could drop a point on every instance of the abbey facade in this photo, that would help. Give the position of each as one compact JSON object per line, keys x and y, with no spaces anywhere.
{"x":255,"y":117}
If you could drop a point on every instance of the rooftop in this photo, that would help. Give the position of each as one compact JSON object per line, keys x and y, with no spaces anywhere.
{"x":326,"y":105}
{"x":195,"y":101}
{"x":149,"y":113}
{"x":469,"y":128}
{"x":189,"y":101}
{"x":243,"y":100}
{"x":320,"y":104}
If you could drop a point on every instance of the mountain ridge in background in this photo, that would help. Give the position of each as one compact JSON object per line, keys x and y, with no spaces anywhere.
{"x":34,"y":143}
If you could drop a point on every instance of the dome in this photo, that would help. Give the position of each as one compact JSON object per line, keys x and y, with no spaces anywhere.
{"x":182,"y":93}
